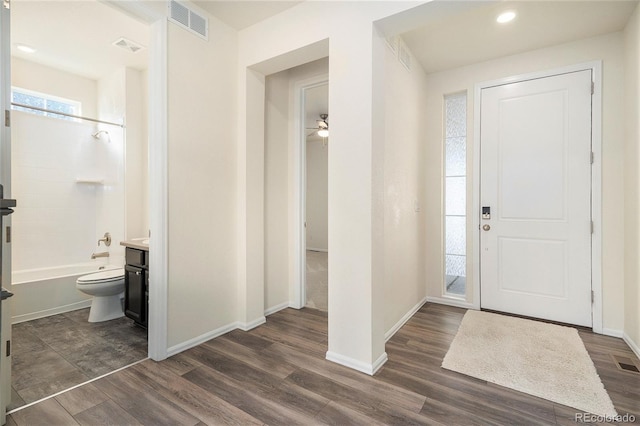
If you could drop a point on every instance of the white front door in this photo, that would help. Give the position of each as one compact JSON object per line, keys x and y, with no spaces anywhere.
{"x":535,"y":242}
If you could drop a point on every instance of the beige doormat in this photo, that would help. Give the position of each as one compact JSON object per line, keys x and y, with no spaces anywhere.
{"x":545,"y":360}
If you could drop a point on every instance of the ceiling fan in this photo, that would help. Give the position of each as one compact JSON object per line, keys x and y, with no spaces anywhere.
{"x":323,"y":127}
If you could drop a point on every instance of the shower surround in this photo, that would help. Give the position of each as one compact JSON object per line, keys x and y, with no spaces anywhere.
{"x":70,"y":188}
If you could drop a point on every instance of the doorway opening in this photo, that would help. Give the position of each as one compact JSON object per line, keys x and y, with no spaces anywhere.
{"x":296,"y":109}
{"x":316,"y":203}
{"x":86,"y":164}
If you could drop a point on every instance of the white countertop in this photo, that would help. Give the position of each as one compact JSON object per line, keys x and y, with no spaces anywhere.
{"x":137,"y":243}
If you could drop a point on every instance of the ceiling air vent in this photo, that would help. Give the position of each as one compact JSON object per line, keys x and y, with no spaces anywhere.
{"x":127,"y":44}
{"x":190,"y":19}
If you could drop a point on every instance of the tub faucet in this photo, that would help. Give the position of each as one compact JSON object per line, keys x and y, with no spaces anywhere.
{"x":106,"y":240}
{"x":97,"y":255}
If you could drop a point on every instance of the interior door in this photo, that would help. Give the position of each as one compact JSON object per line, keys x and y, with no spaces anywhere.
{"x":535,"y":194}
{"x":5,"y":179}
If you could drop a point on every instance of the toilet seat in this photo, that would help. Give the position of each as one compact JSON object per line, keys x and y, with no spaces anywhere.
{"x":102,"y":277}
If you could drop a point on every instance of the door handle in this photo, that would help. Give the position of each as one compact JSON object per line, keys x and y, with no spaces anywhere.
{"x":486,"y":227}
{"x":5,"y":294}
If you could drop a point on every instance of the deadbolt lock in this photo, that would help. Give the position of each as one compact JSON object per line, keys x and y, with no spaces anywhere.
{"x":486,"y":212}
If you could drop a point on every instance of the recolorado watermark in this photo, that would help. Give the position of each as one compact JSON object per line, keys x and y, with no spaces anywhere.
{"x":594,"y":418}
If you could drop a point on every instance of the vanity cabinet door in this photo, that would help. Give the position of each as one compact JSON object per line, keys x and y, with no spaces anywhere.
{"x":135,"y":300}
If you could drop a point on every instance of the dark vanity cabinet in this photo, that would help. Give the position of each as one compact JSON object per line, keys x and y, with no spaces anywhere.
{"x":136,"y":286}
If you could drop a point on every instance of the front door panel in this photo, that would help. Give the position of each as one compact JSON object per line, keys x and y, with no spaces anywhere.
{"x":536,"y":178}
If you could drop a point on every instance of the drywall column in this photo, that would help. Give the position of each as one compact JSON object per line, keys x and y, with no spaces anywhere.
{"x":356,"y":322}
{"x":251,"y":204}
{"x":356,"y":326}
{"x":632,"y":184}
{"x":201,"y":153}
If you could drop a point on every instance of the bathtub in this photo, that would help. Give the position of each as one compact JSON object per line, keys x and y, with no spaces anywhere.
{"x":48,"y":291}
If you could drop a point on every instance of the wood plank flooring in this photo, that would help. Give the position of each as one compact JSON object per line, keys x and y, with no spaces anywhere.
{"x":276,"y":374}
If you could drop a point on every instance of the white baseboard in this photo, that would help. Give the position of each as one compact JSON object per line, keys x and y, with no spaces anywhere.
{"x":54,"y":311}
{"x":201,"y":339}
{"x":633,"y":345}
{"x":611,"y":332}
{"x":246,"y":326}
{"x":377,"y":365}
{"x":274,"y":309}
{"x":354,"y":364}
{"x":318,"y":249}
{"x":451,"y":302}
{"x":213,"y":334}
{"x":389,"y":334}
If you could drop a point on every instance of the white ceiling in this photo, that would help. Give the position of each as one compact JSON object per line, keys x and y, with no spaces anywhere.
{"x":240,"y":14}
{"x":77,"y":36}
{"x":475,"y":36}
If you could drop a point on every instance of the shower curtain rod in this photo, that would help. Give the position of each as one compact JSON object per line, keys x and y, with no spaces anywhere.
{"x":65,"y":114}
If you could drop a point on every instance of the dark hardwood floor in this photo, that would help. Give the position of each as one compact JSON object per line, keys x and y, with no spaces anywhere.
{"x":276,"y":374}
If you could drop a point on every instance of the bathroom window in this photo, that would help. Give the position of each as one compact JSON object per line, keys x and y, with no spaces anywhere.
{"x":455,"y":193}
{"x":44,"y":101}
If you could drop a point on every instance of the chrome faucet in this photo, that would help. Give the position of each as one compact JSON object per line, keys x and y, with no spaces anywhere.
{"x":97,"y":255}
{"x":106,"y":240}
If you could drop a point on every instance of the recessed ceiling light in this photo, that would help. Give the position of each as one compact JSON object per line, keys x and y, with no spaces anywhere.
{"x":505,"y":17}
{"x":26,"y":49}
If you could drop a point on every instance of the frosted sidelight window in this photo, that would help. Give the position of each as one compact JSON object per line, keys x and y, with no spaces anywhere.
{"x":455,"y":193}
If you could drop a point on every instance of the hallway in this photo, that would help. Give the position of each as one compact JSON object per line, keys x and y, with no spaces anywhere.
{"x":276,"y":374}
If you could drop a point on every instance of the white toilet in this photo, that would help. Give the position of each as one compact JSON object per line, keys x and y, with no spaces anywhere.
{"x":107,"y":288}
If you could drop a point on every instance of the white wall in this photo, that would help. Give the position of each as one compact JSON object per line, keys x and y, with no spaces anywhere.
{"x":317,"y":217}
{"x":40,"y":78}
{"x":609,"y":49}
{"x":145,"y":152}
{"x":136,"y":166}
{"x":632,"y":183}
{"x":405,"y":233}
{"x":276,"y":199}
{"x":202,"y":192}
